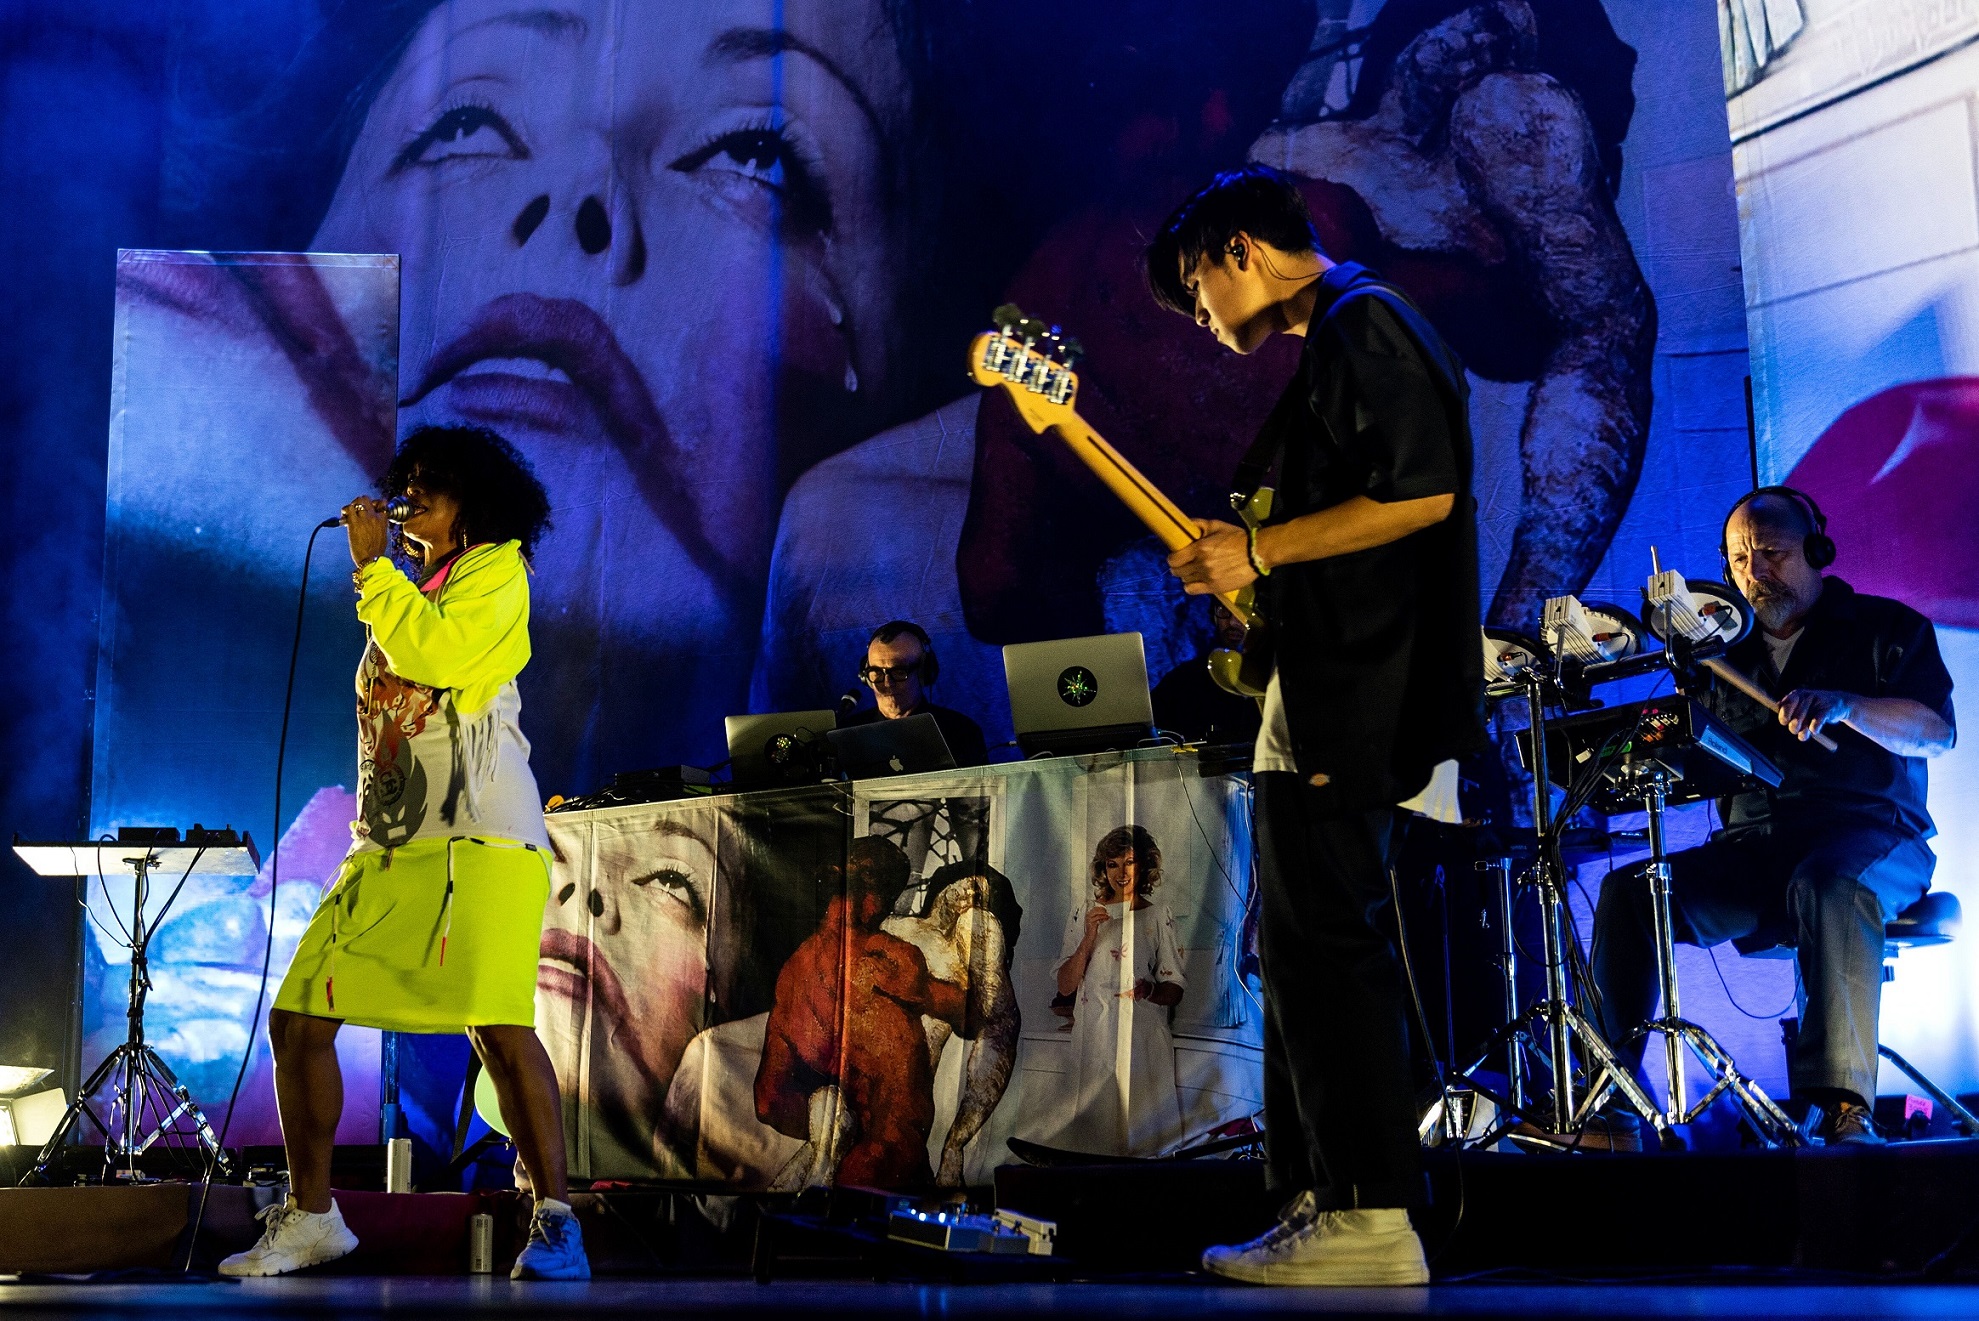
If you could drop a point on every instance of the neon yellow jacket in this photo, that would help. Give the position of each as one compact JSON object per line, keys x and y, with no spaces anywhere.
{"x":440,"y":749}
{"x":473,"y":638}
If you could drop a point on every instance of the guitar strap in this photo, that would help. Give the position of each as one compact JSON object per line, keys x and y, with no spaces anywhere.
{"x":1349,"y":280}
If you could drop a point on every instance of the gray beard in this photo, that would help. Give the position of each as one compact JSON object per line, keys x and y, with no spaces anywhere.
{"x":1775,"y":612}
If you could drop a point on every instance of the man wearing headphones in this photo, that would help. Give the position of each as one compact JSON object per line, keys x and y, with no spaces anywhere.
{"x":900,"y":667}
{"x":1822,"y":862}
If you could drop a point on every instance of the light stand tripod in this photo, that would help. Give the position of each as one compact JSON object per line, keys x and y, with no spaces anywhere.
{"x":149,"y":1102}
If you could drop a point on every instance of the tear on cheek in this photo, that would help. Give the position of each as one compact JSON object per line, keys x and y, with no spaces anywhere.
{"x":817,"y":330}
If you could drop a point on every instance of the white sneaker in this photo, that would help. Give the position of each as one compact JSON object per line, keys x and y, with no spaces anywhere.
{"x":555,"y":1250}
{"x":1310,"y":1246}
{"x":293,"y":1238}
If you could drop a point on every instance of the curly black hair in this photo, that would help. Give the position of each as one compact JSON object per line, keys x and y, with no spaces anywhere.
{"x":500,"y":498}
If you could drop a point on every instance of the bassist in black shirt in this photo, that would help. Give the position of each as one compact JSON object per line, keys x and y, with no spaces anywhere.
{"x":1367,"y":572}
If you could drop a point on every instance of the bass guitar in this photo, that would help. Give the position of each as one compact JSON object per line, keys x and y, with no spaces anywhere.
{"x":1033,"y":364}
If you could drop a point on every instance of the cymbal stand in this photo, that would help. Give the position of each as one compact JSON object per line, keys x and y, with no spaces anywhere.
{"x":144,"y":1083}
{"x":1649,"y":780}
{"x":1565,"y":1025}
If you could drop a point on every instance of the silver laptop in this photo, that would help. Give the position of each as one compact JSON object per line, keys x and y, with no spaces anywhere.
{"x":779,"y":746}
{"x":907,"y":746}
{"x":1079,"y":694}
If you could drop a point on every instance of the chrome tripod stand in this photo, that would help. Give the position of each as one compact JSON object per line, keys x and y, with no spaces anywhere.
{"x":1648,"y":780}
{"x":1629,"y":755}
{"x":1563,"y":1023}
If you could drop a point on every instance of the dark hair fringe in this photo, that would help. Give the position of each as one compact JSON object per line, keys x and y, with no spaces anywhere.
{"x":1255,"y":200}
{"x":500,"y":497}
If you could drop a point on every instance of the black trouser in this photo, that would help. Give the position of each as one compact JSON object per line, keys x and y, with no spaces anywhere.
{"x":1339,"y":1105}
{"x":1826,"y":889}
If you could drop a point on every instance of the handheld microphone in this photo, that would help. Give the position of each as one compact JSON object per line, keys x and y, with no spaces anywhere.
{"x":397,"y":510}
{"x":849,"y":702}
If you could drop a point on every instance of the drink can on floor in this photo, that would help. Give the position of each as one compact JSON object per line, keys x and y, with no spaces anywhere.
{"x":481,"y":1244}
{"x":398,"y":1165}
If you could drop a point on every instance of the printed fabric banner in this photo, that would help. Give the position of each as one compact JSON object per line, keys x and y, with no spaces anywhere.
{"x":1865,"y":372}
{"x":233,"y":373}
{"x":881,"y":983}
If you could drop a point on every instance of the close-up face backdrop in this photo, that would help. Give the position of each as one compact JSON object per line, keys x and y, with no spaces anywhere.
{"x":660,"y":248}
{"x":692,"y":256}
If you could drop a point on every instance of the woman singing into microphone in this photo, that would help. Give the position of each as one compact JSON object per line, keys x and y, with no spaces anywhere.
{"x":434,"y":921}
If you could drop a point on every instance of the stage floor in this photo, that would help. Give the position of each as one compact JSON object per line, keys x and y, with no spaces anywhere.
{"x":1168,"y":1301}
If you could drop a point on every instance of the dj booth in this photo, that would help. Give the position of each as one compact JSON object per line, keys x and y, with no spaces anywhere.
{"x":688,"y":1052}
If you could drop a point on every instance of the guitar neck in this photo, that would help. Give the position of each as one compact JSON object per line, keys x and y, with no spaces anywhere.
{"x":1163,"y":517}
{"x":1040,"y":386}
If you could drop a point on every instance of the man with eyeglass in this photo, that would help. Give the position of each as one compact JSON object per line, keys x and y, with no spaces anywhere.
{"x":900,"y":667}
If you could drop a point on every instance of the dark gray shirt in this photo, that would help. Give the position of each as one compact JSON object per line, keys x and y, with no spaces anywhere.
{"x":1867,"y":645}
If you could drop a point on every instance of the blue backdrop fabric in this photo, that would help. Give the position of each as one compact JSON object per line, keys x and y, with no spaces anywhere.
{"x":1861,"y":237}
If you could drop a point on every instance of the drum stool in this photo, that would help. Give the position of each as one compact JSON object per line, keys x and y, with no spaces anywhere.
{"x":1932,"y":920}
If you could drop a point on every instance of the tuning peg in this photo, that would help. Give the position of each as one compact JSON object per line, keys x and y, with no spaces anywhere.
{"x":1058,"y":386}
{"x":1070,"y":352}
{"x":1006,"y":317}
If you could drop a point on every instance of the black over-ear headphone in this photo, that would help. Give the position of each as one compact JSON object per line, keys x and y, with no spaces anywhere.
{"x":930,"y":663}
{"x":1818,"y":546}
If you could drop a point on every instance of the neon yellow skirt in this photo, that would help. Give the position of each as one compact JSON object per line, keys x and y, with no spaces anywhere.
{"x":434,"y":936}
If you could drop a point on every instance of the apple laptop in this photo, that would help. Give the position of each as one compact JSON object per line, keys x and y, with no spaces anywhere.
{"x":906,"y":746}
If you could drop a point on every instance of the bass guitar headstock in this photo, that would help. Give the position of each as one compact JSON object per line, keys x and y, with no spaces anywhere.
{"x":1033,"y":362}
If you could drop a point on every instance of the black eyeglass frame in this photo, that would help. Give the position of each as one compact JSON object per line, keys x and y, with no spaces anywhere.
{"x":872,"y":675}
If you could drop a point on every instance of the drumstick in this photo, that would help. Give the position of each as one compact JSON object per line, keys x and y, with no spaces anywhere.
{"x":1724,"y":670}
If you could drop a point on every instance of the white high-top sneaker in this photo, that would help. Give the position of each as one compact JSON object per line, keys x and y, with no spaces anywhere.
{"x":1310,"y":1246}
{"x":293,"y":1238}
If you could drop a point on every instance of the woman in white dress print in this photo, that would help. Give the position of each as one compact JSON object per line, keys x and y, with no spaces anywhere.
{"x":1121,"y":964}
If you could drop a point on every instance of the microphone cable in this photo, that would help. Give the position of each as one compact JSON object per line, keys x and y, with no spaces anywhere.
{"x":274,"y":893}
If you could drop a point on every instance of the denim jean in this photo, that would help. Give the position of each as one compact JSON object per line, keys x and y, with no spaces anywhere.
{"x":1825,"y":889}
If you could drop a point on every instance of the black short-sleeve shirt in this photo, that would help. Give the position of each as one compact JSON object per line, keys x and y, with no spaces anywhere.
{"x":1378,"y":653}
{"x":1867,"y":645}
